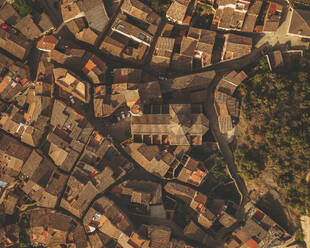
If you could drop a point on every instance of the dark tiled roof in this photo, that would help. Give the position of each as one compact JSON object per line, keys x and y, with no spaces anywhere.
{"x":160,"y":236}
{"x":177,"y":10}
{"x":18,"y":46}
{"x":181,"y":62}
{"x":45,"y":22}
{"x":149,"y":152}
{"x":95,"y":14}
{"x":188,"y":46}
{"x":27,"y":26}
{"x":193,"y":81}
{"x":9,"y":14}
{"x":14,"y":148}
{"x":300,"y":23}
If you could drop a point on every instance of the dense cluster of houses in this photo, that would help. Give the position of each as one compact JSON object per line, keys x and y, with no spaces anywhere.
{"x":76,"y":181}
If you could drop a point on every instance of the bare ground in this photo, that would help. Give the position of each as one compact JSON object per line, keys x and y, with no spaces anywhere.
{"x":264,"y":189}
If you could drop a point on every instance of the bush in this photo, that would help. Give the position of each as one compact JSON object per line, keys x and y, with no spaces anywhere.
{"x":277,"y":106}
{"x":22,"y":7}
{"x":218,"y":164}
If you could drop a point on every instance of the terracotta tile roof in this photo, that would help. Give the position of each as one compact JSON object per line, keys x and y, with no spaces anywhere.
{"x":177,"y":10}
{"x":19,"y":46}
{"x":273,"y":17}
{"x":231,"y":81}
{"x":95,"y":14}
{"x":251,"y":243}
{"x":27,"y":27}
{"x":300,"y":23}
{"x":45,"y":222}
{"x":236,"y":46}
{"x":87,"y":35}
{"x":195,"y":81}
{"x":70,"y":10}
{"x":72,"y":84}
{"x":252,"y":14}
{"x":47,"y":42}
{"x":8,"y":14}
{"x":45,"y":22}
{"x":184,"y":192}
{"x":112,"y":46}
{"x":160,"y":236}
{"x":176,"y":124}
{"x":140,"y":11}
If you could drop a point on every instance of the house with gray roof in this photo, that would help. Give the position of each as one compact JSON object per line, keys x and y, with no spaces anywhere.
{"x":251,"y":16}
{"x":300,"y":23}
{"x":177,"y":124}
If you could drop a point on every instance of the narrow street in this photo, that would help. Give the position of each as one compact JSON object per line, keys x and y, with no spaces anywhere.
{"x":221,"y":69}
{"x":224,"y":146}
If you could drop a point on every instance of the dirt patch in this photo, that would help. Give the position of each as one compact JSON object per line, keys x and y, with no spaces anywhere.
{"x":264,"y":189}
{"x":270,"y":198}
{"x":272,"y":206}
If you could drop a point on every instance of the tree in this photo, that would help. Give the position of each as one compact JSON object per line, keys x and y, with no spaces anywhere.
{"x":276,"y":107}
{"x":22,"y":7}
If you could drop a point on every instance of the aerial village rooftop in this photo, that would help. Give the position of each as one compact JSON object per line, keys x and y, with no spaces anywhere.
{"x":118,"y":121}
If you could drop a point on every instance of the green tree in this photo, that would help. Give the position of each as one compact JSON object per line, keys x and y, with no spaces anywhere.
{"x":22,"y":7}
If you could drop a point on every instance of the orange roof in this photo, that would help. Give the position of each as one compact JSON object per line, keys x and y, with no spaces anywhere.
{"x":197,"y":176}
{"x":70,"y":236}
{"x":135,"y":109}
{"x":99,"y":62}
{"x":24,"y":81}
{"x":187,"y":20}
{"x":90,"y":65}
{"x":258,"y":28}
{"x":135,"y":239}
{"x":5,"y":82}
{"x":251,"y":243}
{"x":47,"y":42}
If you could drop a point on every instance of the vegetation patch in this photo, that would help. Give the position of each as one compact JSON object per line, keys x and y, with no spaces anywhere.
{"x":24,"y":239}
{"x":276,"y":109}
{"x":203,"y":16}
{"x":22,"y":7}
{"x":218,"y":165}
{"x":181,"y":216}
{"x":160,"y":6}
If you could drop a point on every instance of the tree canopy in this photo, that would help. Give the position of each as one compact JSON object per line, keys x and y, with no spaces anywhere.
{"x":276,"y":109}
